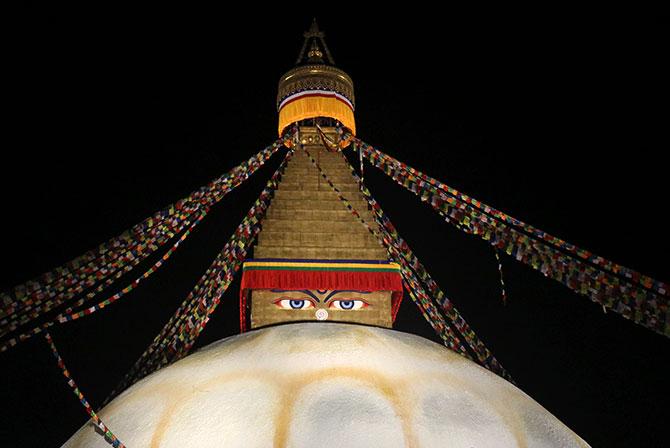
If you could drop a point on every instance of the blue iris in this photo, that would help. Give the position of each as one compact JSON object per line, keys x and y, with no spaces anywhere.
{"x":346,"y":304}
{"x":297,"y":304}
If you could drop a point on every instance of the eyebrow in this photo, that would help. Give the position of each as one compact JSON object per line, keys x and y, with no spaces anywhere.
{"x":327,"y":298}
{"x":304,"y":291}
{"x":337,"y":291}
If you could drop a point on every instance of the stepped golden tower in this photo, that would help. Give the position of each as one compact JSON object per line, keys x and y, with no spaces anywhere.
{"x":332,"y":271}
{"x":322,"y":263}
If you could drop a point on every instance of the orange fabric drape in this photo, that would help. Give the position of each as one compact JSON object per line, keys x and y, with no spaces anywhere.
{"x":316,"y":106}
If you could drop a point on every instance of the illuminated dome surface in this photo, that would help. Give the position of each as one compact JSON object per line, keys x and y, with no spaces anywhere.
{"x":326,"y":385}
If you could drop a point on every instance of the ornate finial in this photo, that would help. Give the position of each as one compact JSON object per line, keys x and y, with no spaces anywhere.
{"x":315,"y":55}
{"x":315,"y":88}
{"x":314,"y":37}
{"x":314,"y":31}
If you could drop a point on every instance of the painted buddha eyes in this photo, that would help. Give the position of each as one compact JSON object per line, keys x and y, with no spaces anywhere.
{"x":306,"y":304}
{"x":349,"y":304}
{"x":294,"y":304}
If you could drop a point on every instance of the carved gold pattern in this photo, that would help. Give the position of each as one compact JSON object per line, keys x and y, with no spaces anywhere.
{"x":315,"y":77}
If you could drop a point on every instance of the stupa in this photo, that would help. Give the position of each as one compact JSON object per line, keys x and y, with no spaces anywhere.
{"x":317,"y":363}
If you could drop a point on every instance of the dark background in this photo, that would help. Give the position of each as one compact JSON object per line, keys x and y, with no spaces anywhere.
{"x":558,"y":118}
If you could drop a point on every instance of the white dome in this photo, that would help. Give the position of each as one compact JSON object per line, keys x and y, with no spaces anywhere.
{"x":326,"y":385}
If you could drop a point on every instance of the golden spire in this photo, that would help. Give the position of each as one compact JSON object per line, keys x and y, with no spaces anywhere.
{"x":315,"y":55}
{"x":315,"y":38}
{"x":315,"y":87}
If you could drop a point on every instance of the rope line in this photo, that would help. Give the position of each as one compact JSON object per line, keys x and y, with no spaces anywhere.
{"x":29,"y":303}
{"x":631,"y":275}
{"x":179,"y":334}
{"x":107,"y":433}
{"x":502,"y":279}
{"x":635,"y":297}
{"x":400,"y":252}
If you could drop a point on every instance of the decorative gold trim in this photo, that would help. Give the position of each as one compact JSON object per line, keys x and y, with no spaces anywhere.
{"x":315,"y":77}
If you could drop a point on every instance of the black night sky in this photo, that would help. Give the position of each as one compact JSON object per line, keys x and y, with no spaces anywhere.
{"x":557,"y":118}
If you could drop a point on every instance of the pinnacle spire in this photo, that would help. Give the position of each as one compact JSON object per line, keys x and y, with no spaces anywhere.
{"x":314,"y":49}
{"x":314,"y":30}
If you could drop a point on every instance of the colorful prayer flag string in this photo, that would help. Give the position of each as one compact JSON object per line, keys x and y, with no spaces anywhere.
{"x":502,"y":280}
{"x":70,"y":285}
{"x":633,"y":295}
{"x":180,"y":333}
{"x":107,"y":433}
{"x":33,"y":311}
{"x":417,"y":176}
{"x":71,"y":273}
{"x":400,"y":252}
{"x":69,"y":314}
{"x":420,"y":276}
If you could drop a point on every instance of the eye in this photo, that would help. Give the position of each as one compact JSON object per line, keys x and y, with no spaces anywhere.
{"x":348,"y":304}
{"x":294,"y":304}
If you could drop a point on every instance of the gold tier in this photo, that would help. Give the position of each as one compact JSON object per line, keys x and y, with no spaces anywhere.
{"x":315,"y":77}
